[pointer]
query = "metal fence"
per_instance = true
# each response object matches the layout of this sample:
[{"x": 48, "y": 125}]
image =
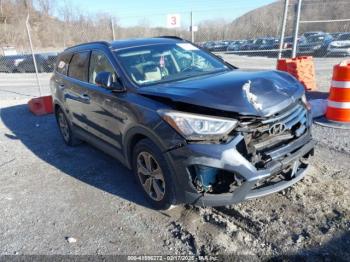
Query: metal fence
[{"x": 255, "y": 34}]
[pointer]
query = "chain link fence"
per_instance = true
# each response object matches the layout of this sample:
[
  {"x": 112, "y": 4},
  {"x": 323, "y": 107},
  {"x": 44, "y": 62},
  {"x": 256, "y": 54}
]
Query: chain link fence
[
  {"x": 325, "y": 35},
  {"x": 323, "y": 32}
]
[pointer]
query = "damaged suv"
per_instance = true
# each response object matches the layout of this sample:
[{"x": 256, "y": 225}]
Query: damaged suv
[{"x": 193, "y": 128}]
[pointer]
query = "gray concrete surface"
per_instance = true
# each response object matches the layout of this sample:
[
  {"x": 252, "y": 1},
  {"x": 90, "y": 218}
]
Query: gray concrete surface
[
  {"x": 49, "y": 192},
  {"x": 23, "y": 85}
]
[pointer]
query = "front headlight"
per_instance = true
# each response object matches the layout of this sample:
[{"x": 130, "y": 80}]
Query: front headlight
[
  {"x": 317, "y": 47},
  {"x": 198, "y": 127}
]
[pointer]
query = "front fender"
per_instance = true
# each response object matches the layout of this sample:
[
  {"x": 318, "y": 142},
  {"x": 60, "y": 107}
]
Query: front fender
[{"x": 162, "y": 135}]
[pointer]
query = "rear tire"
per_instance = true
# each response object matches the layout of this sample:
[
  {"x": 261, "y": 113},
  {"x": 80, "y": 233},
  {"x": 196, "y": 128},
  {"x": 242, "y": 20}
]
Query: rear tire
[
  {"x": 153, "y": 174},
  {"x": 65, "y": 128}
]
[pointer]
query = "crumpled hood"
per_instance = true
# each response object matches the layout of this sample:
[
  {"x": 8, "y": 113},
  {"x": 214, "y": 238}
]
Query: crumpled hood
[{"x": 258, "y": 93}]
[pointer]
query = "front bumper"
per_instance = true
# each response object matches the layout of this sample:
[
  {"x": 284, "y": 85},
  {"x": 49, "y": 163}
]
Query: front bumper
[{"x": 227, "y": 157}]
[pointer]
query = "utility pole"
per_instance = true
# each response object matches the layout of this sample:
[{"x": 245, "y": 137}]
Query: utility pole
[
  {"x": 296, "y": 29},
  {"x": 112, "y": 26},
  {"x": 283, "y": 30},
  {"x": 27, "y": 6},
  {"x": 33, "y": 55},
  {"x": 192, "y": 32}
]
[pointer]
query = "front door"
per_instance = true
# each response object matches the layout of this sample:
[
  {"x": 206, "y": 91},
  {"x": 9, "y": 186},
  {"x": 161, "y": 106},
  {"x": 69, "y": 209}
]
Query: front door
[{"x": 104, "y": 104}]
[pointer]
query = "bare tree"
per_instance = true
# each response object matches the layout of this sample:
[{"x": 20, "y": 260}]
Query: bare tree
[
  {"x": 73, "y": 25},
  {"x": 46, "y": 7}
]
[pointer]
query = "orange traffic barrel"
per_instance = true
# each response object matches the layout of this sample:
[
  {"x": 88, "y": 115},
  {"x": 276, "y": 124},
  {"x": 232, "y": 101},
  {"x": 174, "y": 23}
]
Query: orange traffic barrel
[
  {"x": 302, "y": 68},
  {"x": 338, "y": 104},
  {"x": 41, "y": 105}
]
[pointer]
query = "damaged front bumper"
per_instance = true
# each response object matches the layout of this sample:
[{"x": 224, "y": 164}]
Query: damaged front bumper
[{"x": 254, "y": 182}]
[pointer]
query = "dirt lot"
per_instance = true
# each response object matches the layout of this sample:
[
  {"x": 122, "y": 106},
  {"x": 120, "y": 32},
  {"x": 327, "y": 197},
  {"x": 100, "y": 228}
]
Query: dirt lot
[{"x": 49, "y": 192}]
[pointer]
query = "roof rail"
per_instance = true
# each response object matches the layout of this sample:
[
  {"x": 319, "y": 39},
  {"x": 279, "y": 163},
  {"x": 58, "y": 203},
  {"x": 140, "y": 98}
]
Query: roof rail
[
  {"x": 89, "y": 43},
  {"x": 169, "y": 36}
]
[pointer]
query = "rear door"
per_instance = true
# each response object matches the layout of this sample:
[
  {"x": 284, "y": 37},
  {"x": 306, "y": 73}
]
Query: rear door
[
  {"x": 78, "y": 95},
  {"x": 57, "y": 81}
]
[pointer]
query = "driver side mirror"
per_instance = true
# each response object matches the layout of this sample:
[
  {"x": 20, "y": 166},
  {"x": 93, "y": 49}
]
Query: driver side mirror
[{"x": 105, "y": 79}]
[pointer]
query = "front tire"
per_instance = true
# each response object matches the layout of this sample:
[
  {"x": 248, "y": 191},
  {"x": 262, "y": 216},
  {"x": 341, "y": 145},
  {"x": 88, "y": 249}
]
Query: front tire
[{"x": 153, "y": 174}]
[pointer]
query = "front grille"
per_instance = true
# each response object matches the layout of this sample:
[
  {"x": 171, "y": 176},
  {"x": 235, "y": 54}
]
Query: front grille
[
  {"x": 291, "y": 117},
  {"x": 269, "y": 134}
]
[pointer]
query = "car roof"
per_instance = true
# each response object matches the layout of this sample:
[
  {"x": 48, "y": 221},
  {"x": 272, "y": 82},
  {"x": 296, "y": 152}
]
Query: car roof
[{"x": 127, "y": 43}]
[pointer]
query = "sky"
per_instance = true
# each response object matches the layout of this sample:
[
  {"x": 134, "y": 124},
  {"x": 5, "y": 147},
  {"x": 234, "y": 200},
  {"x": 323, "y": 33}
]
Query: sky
[{"x": 154, "y": 12}]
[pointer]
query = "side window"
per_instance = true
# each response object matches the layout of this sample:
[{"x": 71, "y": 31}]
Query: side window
[
  {"x": 78, "y": 67},
  {"x": 62, "y": 63},
  {"x": 100, "y": 63}
]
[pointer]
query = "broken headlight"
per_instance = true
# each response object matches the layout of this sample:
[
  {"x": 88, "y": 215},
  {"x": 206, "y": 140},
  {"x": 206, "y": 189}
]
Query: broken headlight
[
  {"x": 305, "y": 102},
  {"x": 198, "y": 127}
]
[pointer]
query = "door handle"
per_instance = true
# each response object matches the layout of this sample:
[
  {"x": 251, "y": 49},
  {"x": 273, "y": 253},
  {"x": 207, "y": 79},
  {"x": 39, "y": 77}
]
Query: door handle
[{"x": 85, "y": 97}]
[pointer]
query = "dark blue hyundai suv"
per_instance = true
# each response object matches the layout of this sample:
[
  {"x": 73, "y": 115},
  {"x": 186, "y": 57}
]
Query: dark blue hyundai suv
[{"x": 193, "y": 128}]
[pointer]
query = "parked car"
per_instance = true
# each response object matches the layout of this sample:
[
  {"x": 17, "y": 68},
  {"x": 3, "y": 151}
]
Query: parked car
[
  {"x": 336, "y": 35},
  {"x": 315, "y": 45},
  {"x": 236, "y": 45},
  {"x": 218, "y": 46},
  {"x": 193, "y": 128},
  {"x": 256, "y": 44},
  {"x": 269, "y": 43},
  {"x": 208, "y": 45},
  {"x": 248, "y": 45},
  {"x": 288, "y": 42},
  {"x": 287, "y": 46},
  {"x": 9, "y": 64},
  {"x": 45, "y": 63},
  {"x": 269, "y": 47},
  {"x": 340, "y": 47},
  {"x": 308, "y": 34}
]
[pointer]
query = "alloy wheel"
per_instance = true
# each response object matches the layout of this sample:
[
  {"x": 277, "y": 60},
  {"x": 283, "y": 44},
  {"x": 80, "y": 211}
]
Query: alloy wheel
[{"x": 151, "y": 176}]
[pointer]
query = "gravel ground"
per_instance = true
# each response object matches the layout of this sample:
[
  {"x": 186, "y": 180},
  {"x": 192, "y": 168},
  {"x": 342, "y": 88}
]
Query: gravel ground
[{"x": 51, "y": 194}]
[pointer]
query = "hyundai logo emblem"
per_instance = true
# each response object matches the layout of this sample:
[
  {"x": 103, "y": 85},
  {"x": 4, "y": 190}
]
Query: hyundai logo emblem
[{"x": 277, "y": 129}]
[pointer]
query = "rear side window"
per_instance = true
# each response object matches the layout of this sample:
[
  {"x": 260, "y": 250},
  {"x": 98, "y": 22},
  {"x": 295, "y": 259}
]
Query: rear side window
[
  {"x": 78, "y": 67},
  {"x": 62, "y": 63}
]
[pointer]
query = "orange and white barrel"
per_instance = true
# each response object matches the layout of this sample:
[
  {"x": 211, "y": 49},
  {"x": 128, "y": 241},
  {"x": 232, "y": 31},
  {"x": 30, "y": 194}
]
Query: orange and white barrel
[{"x": 338, "y": 108}]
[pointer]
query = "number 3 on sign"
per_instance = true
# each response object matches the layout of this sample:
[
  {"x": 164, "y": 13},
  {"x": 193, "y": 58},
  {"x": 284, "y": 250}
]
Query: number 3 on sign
[{"x": 173, "y": 21}]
